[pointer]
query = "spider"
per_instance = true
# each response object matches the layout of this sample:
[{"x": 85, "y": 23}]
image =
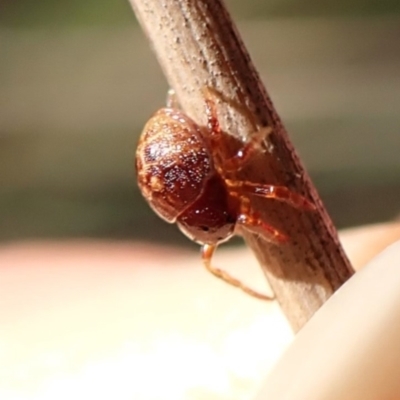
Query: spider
[{"x": 186, "y": 172}]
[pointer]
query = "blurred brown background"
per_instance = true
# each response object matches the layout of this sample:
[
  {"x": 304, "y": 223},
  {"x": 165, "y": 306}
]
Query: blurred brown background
[{"x": 78, "y": 81}]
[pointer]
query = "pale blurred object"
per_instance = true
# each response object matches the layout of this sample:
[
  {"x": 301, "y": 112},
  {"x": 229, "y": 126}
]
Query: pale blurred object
[
  {"x": 105, "y": 320},
  {"x": 350, "y": 349},
  {"x": 370, "y": 241}
]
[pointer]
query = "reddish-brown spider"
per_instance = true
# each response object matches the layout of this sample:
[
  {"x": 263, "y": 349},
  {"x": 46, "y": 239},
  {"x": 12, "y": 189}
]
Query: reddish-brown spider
[{"x": 187, "y": 174}]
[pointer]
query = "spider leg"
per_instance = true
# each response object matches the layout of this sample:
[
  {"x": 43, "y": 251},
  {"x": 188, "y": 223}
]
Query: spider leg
[
  {"x": 214, "y": 131},
  {"x": 253, "y": 221},
  {"x": 281, "y": 193},
  {"x": 212, "y": 119},
  {"x": 207, "y": 252},
  {"x": 244, "y": 155},
  {"x": 172, "y": 100}
]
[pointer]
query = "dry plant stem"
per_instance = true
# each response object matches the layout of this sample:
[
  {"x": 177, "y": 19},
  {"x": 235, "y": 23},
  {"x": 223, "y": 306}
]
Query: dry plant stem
[{"x": 198, "y": 45}]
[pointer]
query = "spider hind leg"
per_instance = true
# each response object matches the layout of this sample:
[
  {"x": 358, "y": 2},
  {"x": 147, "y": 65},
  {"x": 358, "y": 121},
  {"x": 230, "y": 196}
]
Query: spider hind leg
[{"x": 207, "y": 252}]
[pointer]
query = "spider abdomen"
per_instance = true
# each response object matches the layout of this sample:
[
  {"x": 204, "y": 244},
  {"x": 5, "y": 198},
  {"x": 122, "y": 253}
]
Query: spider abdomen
[{"x": 172, "y": 162}]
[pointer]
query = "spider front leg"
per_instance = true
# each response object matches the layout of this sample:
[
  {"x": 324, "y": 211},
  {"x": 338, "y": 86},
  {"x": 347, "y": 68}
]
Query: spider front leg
[
  {"x": 245, "y": 153},
  {"x": 213, "y": 125},
  {"x": 207, "y": 252}
]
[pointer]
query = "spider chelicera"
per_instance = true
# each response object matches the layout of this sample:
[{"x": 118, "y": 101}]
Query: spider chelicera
[{"x": 187, "y": 173}]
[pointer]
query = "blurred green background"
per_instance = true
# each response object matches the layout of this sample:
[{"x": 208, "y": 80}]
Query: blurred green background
[{"x": 78, "y": 81}]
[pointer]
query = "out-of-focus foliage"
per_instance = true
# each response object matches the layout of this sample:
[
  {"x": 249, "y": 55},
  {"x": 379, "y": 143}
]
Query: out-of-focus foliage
[
  {"x": 78, "y": 80},
  {"x": 53, "y": 13}
]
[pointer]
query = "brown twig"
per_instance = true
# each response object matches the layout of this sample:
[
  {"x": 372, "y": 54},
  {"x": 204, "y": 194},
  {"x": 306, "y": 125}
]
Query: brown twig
[{"x": 198, "y": 46}]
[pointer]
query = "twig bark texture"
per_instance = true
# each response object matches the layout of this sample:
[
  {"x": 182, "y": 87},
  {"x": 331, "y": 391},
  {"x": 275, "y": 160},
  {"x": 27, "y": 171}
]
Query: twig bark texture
[{"x": 198, "y": 45}]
